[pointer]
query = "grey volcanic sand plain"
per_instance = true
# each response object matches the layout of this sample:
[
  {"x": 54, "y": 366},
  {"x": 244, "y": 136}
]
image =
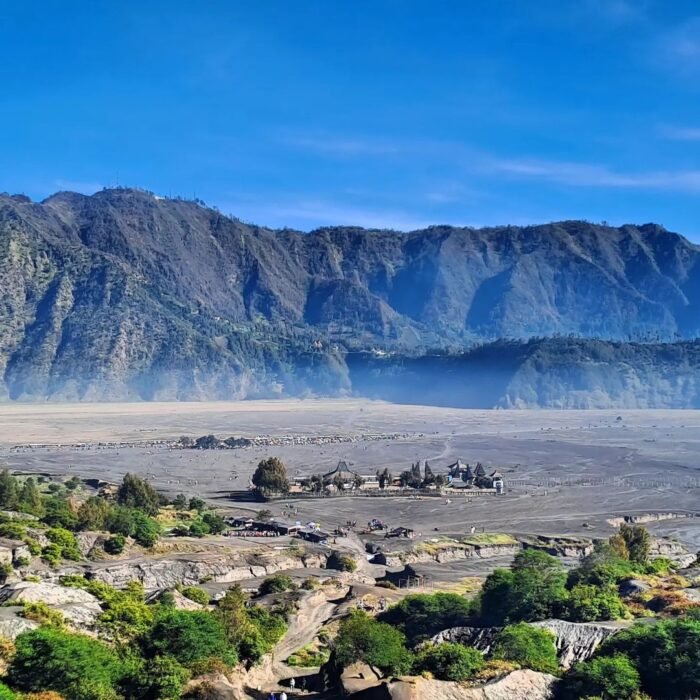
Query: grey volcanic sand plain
[{"x": 648, "y": 460}]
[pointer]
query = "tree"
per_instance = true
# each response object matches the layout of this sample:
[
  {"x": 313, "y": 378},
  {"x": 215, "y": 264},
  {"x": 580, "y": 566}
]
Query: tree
[
  {"x": 58, "y": 513},
  {"x": 665, "y": 655},
  {"x": 611, "y": 678},
  {"x": 8, "y": 490},
  {"x": 180, "y": 501},
  {"x": 377, "y": 644},
  {"x": 196, "y": 503},
  {"x": 449, "y": 662},
  {"x": 588, "y": 603},
  {"x": 75, "y": 665},
  {"x": 146, "y": 530},
  {"x": 198, "y": 528},
  {"x": 530, "y": 647},
  {"x": 271, "y": 476},
  {"x": 137, "y": 493},
  {"x": 164, "y": 678},
  {"x": 207, "y": 442},
  {"x": 533, "y": 589},
  {"x": 30, "y": 499},
  {"x": 429, "y": 477},
  {"x": 384, "y": 478},
  {"x": 422, "y": 615},
  {"x": 65, "y": 541},
  {"x": 190, "y": 637},
  {"x": 638, "y": 542},
  {"x": 185, "y": 441},
  {"x": 92, "y": 514},
  {"x": 214, "y": 522}
]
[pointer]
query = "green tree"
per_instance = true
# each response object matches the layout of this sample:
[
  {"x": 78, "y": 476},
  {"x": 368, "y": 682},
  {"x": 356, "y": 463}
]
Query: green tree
[
  {"x": 530, "y": 647},
  {"x": 6, "y": 693},
  {"x": 75, "y": 665},
  {"x": 214, "y": 522},
  {"x": 587, "y": 603},
  {"x": 180, "y": 501},
  {"x": 271, "y": 476},
  {"x": 146, "y": 530},
  {"x": 30, "y": 500},
  {"x": 198, "y": 528},
  {"x": 377, "y": 644},
  {"x": 165, "y": 678},
  {"x": 610, "y": 678},
  {"x": 190, "y": 637},
  {"x": 534, "y": 589},
  {"x": 638, "y": 542},
  {"x": 197, "y": 504},
  {"x": 422, "y": 615},
  {"x": 58, "y": 513},
  {"x": 66, "y": 542},
  {"x": 8, "y": 490},
  {"x": 449, "y": 662},
  {"x": 135, "y": 492},
  {"x": 93, "y": 513},
  {"x": 665, "y": 655}
]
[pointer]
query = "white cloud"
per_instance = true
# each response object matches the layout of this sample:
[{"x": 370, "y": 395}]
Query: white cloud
[
  {"x": 593, "y": 175},
  {"x": 681, "y": 133}
]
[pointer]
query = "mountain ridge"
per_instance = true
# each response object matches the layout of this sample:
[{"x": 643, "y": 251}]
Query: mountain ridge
[{"x": 126, "y": 290}]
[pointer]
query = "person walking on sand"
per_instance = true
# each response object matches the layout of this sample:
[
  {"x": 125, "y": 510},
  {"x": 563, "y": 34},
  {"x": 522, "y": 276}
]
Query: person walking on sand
[{"x": 292, "y": 683}]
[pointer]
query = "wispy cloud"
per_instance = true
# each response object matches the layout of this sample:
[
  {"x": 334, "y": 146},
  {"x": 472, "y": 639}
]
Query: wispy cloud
[
  {"x": 679, "y": 49},
  {"x": 341, "y": 146},
  {"x": 680, "y": 133},
  {"x": 593, "y": 175},
  {"x": 308, "y": 213}
]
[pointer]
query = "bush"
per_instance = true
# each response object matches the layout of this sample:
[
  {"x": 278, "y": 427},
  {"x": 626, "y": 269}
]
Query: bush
[
  {"x": 214, "y": 522},
  {"x": 533, "y": 589},
  {"x": 66, "y": 542},
  {"x": 198, "y": 529},
  {"x": 77, "y": 666},
  {"x": 528, "y": 646},
  {"x": 40, "y": 612},
  {"x": 13, "y": 531},
  {"x": 115, "y": 544},
  {"x": 612, "y": 678},
  {"x": 6, "y": 693},
  {"x": 309, "y": 584},
  {"x": 279, "y": 583},
  {"x": 341, "y": 562},
  {"x": 422, "y": 615},
  {"x": 164, "y": 678},
  {"x": 587, "y": 603},
  {"x": 51, "y": 554},
  {"x": 198, "y": 595},
  {"x": 190, "y": 637},
  {"x": 377, "y": 644},
  {"x": 449, "y": 662},
  {"x": 665, "y": 655},
  {"x": 146, "y": 530}
]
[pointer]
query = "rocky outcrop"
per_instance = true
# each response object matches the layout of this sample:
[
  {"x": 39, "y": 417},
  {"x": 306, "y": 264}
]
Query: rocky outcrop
[
  {"x": 570, "y": 547},
  {"x": 169, "y": 571},
  {"x": 442, "y": 554},
  {"x": 13, "y": 551},
  {"x": 518, "y": 685},
  {"x": 576, "y": 641},
  {"x": 649, "y": 518},
  {"x": 481, "y": 638},
  {"x": 673, "y": 550},
  {"x": 12, "y": 625},
  {"x": 49, "y": 593}
]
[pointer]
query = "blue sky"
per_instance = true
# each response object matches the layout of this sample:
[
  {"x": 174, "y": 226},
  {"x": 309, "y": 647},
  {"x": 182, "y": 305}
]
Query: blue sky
[{"x": 381, "y": 113}]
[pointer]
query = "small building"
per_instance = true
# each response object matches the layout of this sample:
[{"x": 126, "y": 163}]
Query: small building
[
  {"x": 497, "y": 482},
  {"x": 244, "y": 521}
]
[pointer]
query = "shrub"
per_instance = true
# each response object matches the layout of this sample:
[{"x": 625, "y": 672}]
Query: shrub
[
  {"x": 279, "y": 583},
  {"x": 197, "y": 504},
  {"x": 613, "y": 678},
  {"x": 377, "y": 644},
  {"x": 198, "y": 595},
  {"x": 341, "y": 562},
  {"x": 51, "y": 554},
  {"x": 214, "y": 522},
  {"x": 115, "y": 544},
  {"x": 163, "y": 678},
  {"x": 309, "y": 584},
  {"x": 40, "y": 612},
  {"x": 198, "y": 529},
  {"x": 189, "y": 637},
  {"x": 146, "y": 530},
  {"x": 528, "y": 646},
  {"x": 66, "y": 541},
  {"x": 13, "y": 531},
  {"x": 6, "y": 693},
  {"x": 77, "y": 666},
  {"x": 587, "y": 603},
  {"x": 449, "y": 662}
]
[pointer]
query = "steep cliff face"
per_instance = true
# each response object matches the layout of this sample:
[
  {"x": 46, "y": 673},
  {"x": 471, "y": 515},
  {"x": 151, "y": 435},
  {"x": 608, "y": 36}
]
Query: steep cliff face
[{"x": 126, "y": 295}]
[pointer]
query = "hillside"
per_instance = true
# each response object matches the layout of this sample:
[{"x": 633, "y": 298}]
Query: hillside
[{"x": 126, "y": 295}]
